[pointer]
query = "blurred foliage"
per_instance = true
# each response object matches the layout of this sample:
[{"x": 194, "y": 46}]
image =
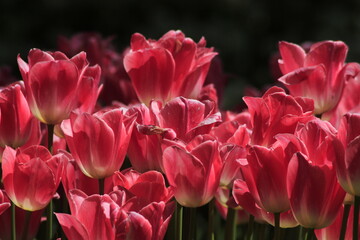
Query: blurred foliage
[{"x": 244, "y": 32}]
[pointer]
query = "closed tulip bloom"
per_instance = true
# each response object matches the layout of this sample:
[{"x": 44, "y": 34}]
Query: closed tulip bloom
[
  {"x": 92, "y": 217},
  {"x": 31, "y": 176},
  {"x": 194, "y": 172},
  {"x": 314, "y": 192},
  {"x": 51, "y": 83},
  {"x": 98, "y": 142}
]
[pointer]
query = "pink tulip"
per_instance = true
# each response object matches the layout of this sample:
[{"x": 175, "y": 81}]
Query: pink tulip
[
  {"x": 98, "y": 142},
  {"x": 319, "y": 74},
  {"x": 17, "y": 125},
  {"x": 52, "y": 83},
  {"x": 194, "y": 171},
  {"x": 31, "y": 176},
  {"x": 142, "y": 189},
  {"x": 314, "y": 193},
  {"x": 180, "y": 118},
  {"x": 276, "y": 112},
  {"x": 170, "y": 67},
  {"x": 93, "y": 217}
]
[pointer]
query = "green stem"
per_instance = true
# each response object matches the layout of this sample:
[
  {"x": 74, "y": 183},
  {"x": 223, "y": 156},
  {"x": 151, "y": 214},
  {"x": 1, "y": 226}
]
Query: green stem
[
  {"x": 356, "y": 218},
  {"x": 344, "y": 221},
  {"x": 277, "y": 226},
  {"x": 230, "y": 228},
  {"x": 178, "y": 221},
  {"x": 50, "y": 128},
  {"x": 250, "y": 229},
  {"x": 13, "y": 222},
  {"x": 309, "y": 234},
  {"x": 26, "y": 225},
  {"x": 192, "y": 224},
  {"x": 301, "y": 233},
  {"x": 49, "y": 226},
  {"x": 49, "y": 220},
  {"x": 101, "y": 186},
  {"x": 211, "y": 217}
]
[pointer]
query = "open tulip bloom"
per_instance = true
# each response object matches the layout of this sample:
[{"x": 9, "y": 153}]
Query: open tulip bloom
[{"x": 140, "y": 168}]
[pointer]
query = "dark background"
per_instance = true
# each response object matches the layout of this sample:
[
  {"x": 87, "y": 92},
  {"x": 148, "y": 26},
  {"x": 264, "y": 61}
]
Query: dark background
[{"x": 244, "y": 32}]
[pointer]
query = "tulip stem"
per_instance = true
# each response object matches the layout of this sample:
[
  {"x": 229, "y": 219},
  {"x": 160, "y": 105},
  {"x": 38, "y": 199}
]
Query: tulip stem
[
  {"x": 49, "y": 229},
  {"x": 344, "y": 221},
  {"x": 250, "y": 228},
  {"x": 13, "y": 222},
  {"x": 309, "y": 234},
  {"x": 211, "y": 217},
  {"x": 277, "y": 226},
  {"x": 230, "y": 228},
  {"x": 178, "y": 221},
  {"x": 101, "y": 186},
  {"x": 301, "y": 233},
  {"x": 26, "y": 225},
  {"x": 192, "y": 224},
  {"x": 356, "y": 218},
  {"x": 50, "y": 128}
]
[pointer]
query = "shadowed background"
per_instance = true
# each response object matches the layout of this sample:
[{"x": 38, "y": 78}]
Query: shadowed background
[{"x": 244, "y": 32}]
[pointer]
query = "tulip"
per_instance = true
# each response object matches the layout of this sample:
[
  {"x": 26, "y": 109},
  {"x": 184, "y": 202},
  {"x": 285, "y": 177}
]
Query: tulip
[
  {"x": 98, "y": 142},
  {"x": 319, "y": 74},
  {"x": 180, "y": 118},
  {"x": 17, "y": 125},
  {"x": 31, "y": 176},
  {"x": 150, "y": 222},
  {"x": 135, "y": 184},
  {"x": 276, "y": 112},
  {"x": 314, "y": 193},
  {"x": 170, "y": 67},
  {"x": 194, "y": 172},
  {"x": 93, "y": 217},
  {"x": 52, "y": 83}
]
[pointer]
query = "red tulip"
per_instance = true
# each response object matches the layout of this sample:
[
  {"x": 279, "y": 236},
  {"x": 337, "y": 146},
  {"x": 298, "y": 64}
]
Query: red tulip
[
  {"x": 194, "y": 171},
  {"x": 348, "y": 168},
  {"x": 92, "y": 218},
  {"x": 31, "y": 176},
  {"x": 17, "y": 125},
  {"x": 319, "y": 74},
  {"x": 276, "y": 112},
  {"x": 314, "y": 193},
  {"x": 180, "y": 118},
  {"x": 98, "y": 142},
  {"x": 52, "y": 83},
  {"x": 142, "y": 189},
  {"x": 170, "y": 67}
]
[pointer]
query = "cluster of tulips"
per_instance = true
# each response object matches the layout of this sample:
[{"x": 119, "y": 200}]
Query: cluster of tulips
[{"x": 127, "y": 143}]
